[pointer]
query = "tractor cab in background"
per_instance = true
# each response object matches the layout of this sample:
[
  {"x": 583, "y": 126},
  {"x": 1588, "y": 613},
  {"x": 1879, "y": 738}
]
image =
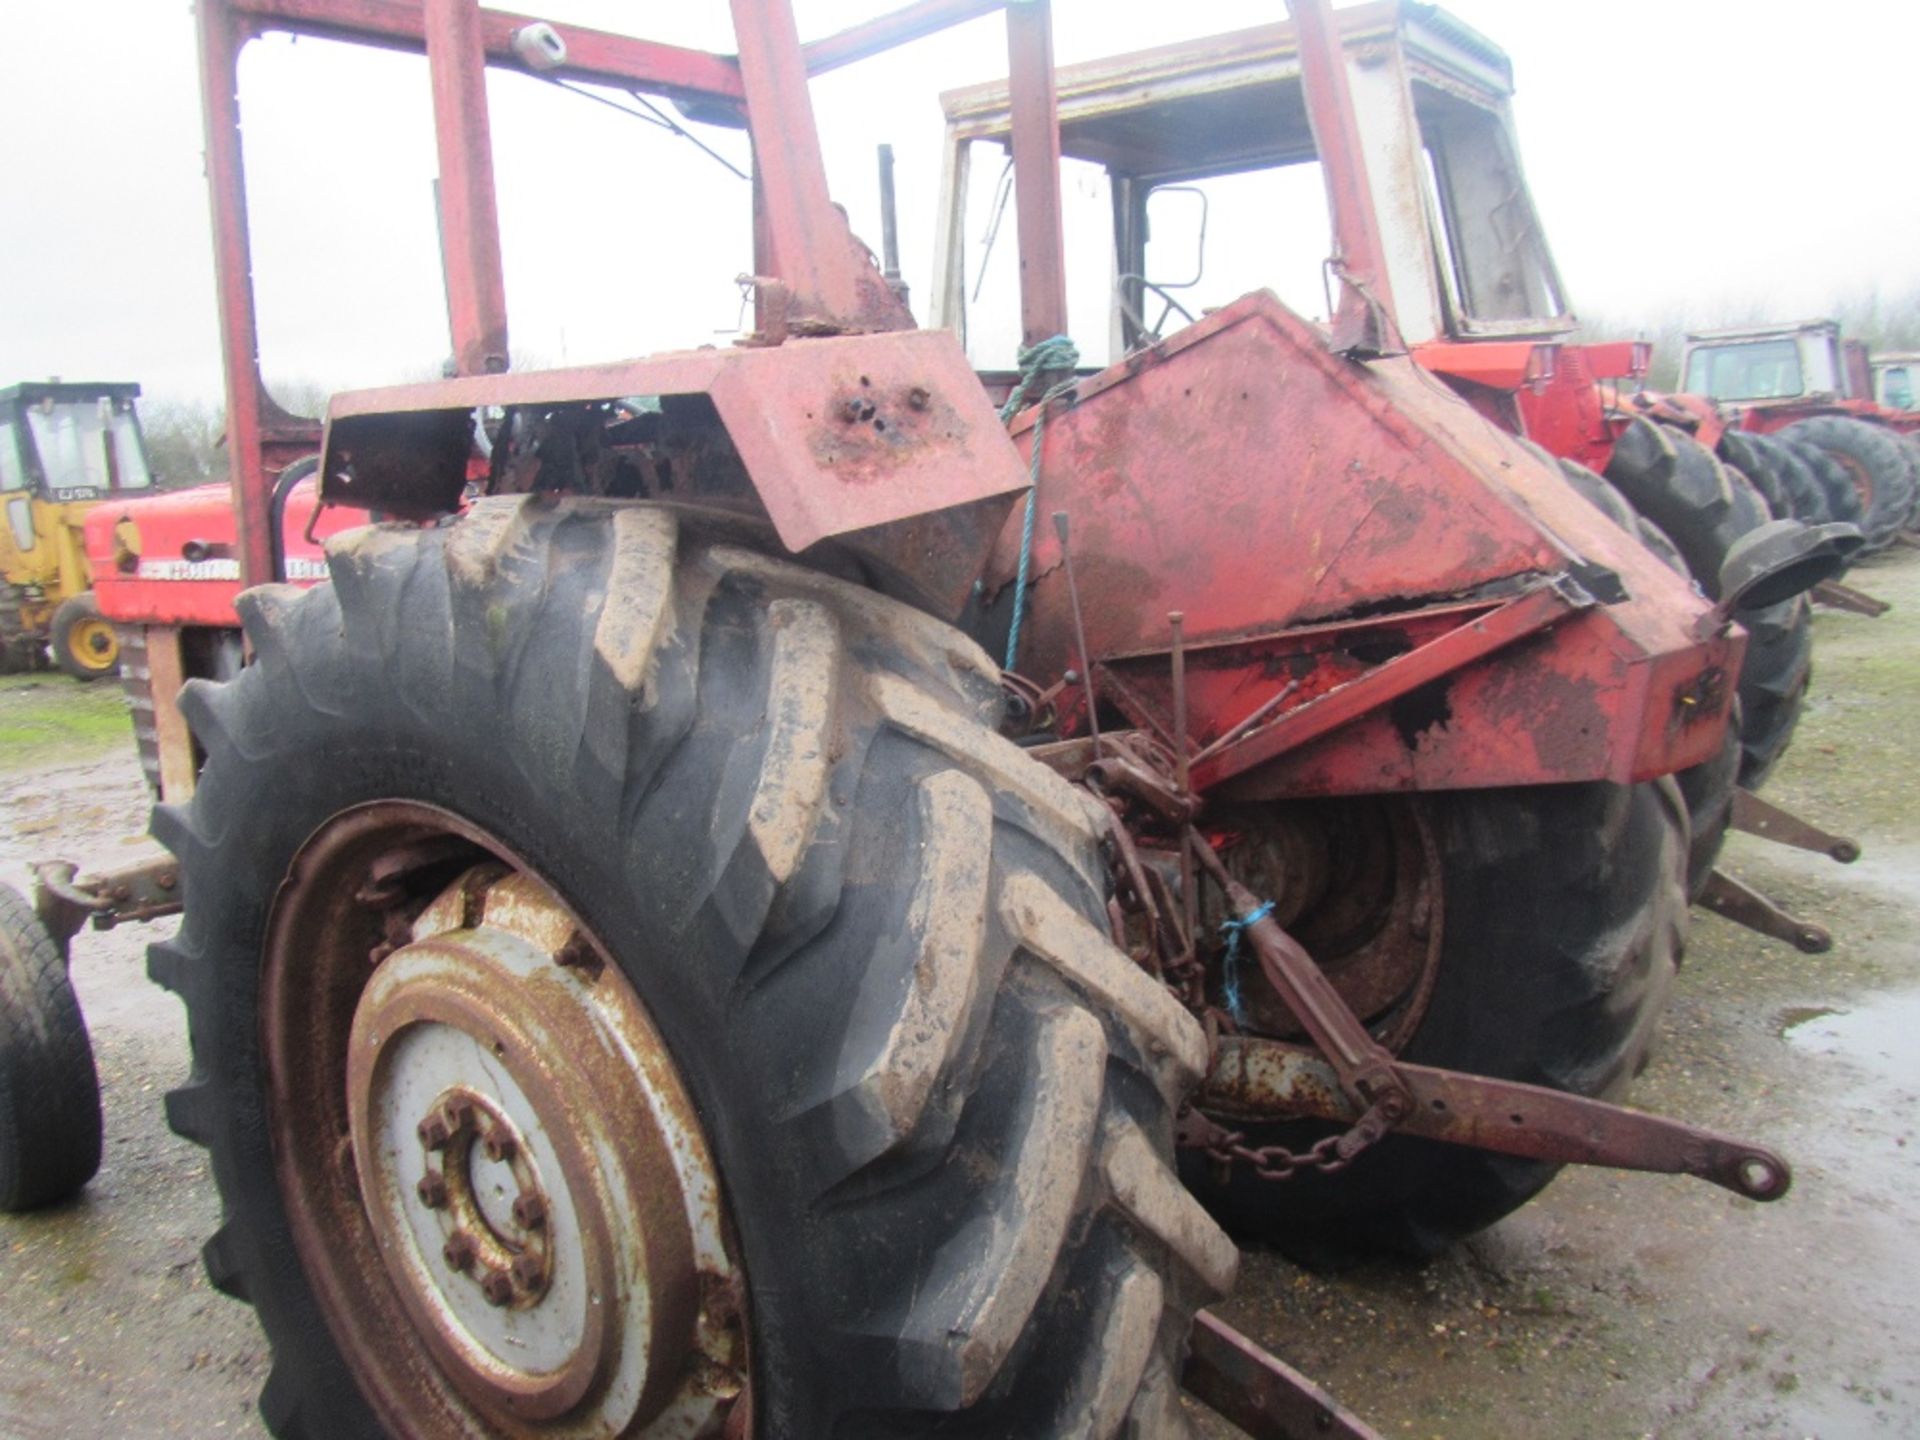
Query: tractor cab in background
[{"x": 1195, "y": 165}]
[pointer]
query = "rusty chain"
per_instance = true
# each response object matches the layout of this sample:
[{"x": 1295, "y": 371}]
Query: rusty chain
[{"x": 1276, "y": 1163}]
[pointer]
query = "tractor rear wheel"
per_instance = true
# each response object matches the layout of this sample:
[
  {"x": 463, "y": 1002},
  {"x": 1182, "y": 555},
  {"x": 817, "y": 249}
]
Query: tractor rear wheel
[
  {"x": 1876, "y": 463},
  {"x": 1709, "y": 786},
  {"x": 1558, "y": 914},
  {"x": 633, "y": 904},
  {"x": 49, "y": 1090},
  {"x": 1704, "y": 507},
  {"x": 84, "y": 642}
]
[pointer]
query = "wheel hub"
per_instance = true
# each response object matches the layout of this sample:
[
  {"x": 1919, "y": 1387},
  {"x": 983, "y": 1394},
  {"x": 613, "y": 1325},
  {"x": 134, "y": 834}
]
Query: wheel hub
[{"x": 522, "y": 1198}]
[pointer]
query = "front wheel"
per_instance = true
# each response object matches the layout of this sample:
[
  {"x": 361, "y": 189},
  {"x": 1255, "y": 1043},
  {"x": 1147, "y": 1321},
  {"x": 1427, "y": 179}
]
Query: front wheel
[
  {"x": 84, "y": 642},
  {"x": 633, "y": 989},
  {"x": 49, "y": 1090}
]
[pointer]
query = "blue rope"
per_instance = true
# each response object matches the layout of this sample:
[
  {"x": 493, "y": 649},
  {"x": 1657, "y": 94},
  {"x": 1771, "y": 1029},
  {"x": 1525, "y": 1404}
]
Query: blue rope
[
  {"x": 1056, "y": 352},
  {"x": 1233, "y": 930}
]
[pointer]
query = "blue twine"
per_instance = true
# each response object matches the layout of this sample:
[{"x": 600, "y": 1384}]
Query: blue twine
[
  {"x": 1233, "y": 930},
  {"x": 1056, "y": 352}
]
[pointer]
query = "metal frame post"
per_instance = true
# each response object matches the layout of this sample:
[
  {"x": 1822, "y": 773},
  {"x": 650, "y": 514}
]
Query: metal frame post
[
  {"x": 1035, "y": 134},
  {"x": 1363, "y": 318},
  {"x": 220, "y": 37},
  {"x": 469, "y": 214}
]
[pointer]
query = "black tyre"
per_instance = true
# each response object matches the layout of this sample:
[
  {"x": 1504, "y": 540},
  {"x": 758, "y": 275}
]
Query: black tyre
[
  {"x": 84, "y": 643},
  {"x": 1707, "y": 787},
  {"x": 871, "y": 935},
  {"x": 1704, "y": 507},
  {"x": 1877, "y": 465},
  {"x": 1840, "y": 501},
  {"x": 49, "y": 1090},
  {"x": 19, "y": 651},
  {"x": 1791, "y": 488},
  {"x": 1563, "y": 913}
]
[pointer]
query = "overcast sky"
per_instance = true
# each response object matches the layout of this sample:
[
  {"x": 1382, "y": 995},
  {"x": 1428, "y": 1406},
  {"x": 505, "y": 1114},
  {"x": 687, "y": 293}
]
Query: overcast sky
[{"x": 1712, "y": 155}]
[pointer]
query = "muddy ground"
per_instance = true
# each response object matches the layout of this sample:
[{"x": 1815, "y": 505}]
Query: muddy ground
[{"x": 1615, "y": 1306}]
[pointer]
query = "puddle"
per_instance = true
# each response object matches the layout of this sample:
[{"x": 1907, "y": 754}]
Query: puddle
[{"x": 1877, "y": 1035}]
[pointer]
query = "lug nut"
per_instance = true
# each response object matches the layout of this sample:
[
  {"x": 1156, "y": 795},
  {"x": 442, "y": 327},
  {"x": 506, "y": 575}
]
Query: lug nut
[
  {"x": 459, "y": 1112},
  {"x": 460, "y": 1250},
  {"x": 433, "y": 1189},
  {"x": 528, "y": 1271},
  {"x": 497, "y": 1286},
  {"x": 500, "y": 1145},
  {"x": 435, "y": 1132},
  {"x": 529, "y": 1210}
]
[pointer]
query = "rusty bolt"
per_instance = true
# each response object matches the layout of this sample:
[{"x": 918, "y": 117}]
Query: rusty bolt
[
  {"x": 500, "y": 1144},
  {"x": 458, "y": 1112},
  {"x": 435, "y": 1132},
  {"x": 497, "y": 1286},
  {"x": 433, "y": 1189},
  {"x": 529, "y": 1210},
  {"x": 918, "y": 397},
  {"x": 528, "y": 1271},
  {"x": 460, "y": 1250}
]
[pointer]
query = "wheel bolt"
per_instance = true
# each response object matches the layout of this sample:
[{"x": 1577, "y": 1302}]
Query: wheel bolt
[
  {"x": 435, "y": 1132},
  {"x": 529, "y": 1210},
  {"x": 458, "y": 1112},
  {"x": 500, "y": 1145},
  {"x": 528, "y": 1271},
  {"x": 497, "y": 1286},
  {"x": 433, "y": 1189},
  {"x": 460, "y": 1250}
]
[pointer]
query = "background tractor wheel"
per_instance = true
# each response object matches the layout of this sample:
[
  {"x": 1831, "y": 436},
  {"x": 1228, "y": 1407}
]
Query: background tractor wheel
[
  {"x": 584, "y": 768},
  {"x": 1704, "y": 507},
  {"x": 1841, "y": 501},
  {"x": 49, "y": 1090},
  {"x": 1792, "y": 490},
  {"x": 1560, "y": 912},
  {"x": 20, "y": 652},
  {"x": 84, "y": 643},
  {"x": 1877, "y": 465},
  {"x": 1707, "y": 787}
]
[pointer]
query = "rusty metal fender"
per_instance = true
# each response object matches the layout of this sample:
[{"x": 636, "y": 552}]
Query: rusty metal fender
[{"x": 860, "y": 438}]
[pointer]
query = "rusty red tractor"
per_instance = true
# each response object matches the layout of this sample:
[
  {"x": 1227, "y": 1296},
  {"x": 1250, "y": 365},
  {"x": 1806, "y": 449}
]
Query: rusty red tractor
[
  {"x": 650, "y": 970},
  {"x": 1173, "y": 147}
]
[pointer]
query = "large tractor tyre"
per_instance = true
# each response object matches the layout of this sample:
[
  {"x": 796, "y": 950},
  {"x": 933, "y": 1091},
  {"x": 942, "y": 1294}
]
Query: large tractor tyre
[
  {"x": 1709, "y": 786},
  {"x": 1705, "y": 506},
  {"x": 1876, "y": 464},
  {"x": 49, "y": 1090},
  {"x": 1561, "y": 912},
  {"x": 572, "y": 897},
  {"x": 1791, "y": 488},
  {"x": 1910, "y": 442},
  {"x": 83, "y": 641},
  {"x": 1834, "y": 480}
]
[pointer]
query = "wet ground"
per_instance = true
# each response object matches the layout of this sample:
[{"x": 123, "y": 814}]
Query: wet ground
[{"x": 1614, "y": 1306}]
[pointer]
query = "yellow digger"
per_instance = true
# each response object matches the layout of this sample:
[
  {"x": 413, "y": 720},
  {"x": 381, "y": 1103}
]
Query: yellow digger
[{"x": 64, "y": 447}]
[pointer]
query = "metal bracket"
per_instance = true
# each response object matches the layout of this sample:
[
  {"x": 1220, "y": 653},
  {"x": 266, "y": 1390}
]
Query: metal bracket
[
  {"x": 1258, "y": 1392},
  {"x": 145, "y": 890},
  {"x": 1845, "y": 597},
  {"x": 1770, "y": 822},
  {"x": 1744, "y": 905},
  {"x": 1269, "y": 1079}
]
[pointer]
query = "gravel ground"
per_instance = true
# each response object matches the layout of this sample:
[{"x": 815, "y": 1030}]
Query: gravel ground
[{"x": 1615, "y": 1306}]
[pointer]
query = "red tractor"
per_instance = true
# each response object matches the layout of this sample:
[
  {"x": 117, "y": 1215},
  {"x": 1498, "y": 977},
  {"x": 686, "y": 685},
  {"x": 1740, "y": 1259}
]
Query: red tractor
[
  {"x": 1179, "y": 156},
  {"x": 652, "y": 971}
]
